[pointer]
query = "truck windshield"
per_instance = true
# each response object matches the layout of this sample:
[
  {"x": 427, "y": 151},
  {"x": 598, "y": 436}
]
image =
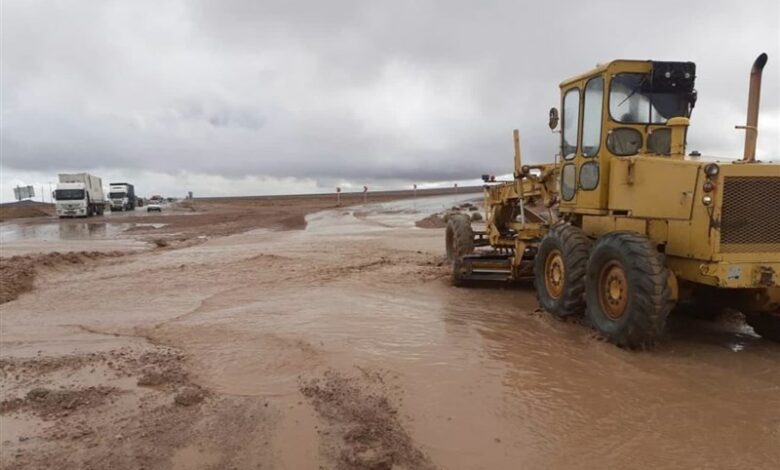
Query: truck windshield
[
  {"x": 117, "y": 195},
  {"x": 69, "y": 194},
  {"x": 632, "y": 100}
]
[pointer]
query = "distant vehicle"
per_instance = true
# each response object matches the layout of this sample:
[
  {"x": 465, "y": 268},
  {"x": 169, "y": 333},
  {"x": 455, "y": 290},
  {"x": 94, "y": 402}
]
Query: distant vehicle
[
  {"x": 154, "y": 205},
  {"x": 79, "y": 195},
  {"x": 140, "y": 202},
  {"x": 122, "y": 196}
]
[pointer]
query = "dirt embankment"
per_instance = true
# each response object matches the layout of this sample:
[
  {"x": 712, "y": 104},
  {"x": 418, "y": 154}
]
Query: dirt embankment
[
  {"x": 24, "y": 210},
  {"x": 17, "y": 273}
]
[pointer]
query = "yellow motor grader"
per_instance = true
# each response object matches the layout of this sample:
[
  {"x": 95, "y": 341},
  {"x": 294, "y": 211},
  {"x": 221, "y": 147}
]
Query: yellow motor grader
[{"x": 624, "y": 225}]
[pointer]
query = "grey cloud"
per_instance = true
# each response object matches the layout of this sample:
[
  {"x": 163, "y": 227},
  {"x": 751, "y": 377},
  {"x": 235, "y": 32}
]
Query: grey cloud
[{"x": 346, "y": 90}]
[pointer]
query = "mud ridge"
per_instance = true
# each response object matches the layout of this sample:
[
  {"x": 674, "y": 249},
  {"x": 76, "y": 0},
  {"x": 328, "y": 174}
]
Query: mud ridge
[
  {"x": 364, "y": 429},
  {"x": 50, "y": 403}
]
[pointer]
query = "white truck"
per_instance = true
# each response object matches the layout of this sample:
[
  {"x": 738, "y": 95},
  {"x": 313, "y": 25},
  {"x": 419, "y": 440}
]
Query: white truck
[
  {"x": 122, "y": 196},
  {"x": 79, "y": 195}
]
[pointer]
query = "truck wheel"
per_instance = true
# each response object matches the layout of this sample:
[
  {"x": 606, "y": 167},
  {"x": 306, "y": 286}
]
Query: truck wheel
[
  {"x": 459, "y": 237},
  {"x": 559, "y": 270},
  {"x": 765, "y": 324},
  {"x": 627, "y": 290}
]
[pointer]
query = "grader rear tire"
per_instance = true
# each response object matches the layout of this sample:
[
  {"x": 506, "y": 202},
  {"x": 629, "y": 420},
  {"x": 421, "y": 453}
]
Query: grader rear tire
[
  {"x": 765, "y": 324},
  {"x": 459, "y": 237},
  {"x": 627, "y": 290},
  {"x": 559, "y": 270}
]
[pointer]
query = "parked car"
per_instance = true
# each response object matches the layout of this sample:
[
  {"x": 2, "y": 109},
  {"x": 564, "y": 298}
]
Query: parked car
[{"x": 154, "y": 206}]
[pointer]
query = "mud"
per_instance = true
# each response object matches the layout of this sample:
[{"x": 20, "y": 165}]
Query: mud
[
  {"x": 17, "y": 273},
  {"x": 362, "y": 429},
  {"x": 343, "y": 345},
  {"x": 432, "y": 221},
  {"x": 49, "y": 403}
]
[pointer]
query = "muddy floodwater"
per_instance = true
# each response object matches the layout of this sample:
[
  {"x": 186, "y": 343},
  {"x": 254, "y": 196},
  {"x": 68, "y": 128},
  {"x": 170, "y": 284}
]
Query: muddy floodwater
[{"x": 344, "y": 345}]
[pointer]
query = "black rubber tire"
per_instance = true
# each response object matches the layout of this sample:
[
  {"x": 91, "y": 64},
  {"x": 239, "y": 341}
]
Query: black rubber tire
[
  {"x": 765, "y": 324},
  {"x": 457, "y": 267},
  {"x": 648, "y": 292},
  {"x": 574, "y": 248},
  {"x": 459, "y": 237}
]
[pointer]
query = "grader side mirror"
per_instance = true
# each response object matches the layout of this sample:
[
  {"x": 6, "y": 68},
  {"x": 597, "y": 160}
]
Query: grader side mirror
[{"x": 553, "y": 118}]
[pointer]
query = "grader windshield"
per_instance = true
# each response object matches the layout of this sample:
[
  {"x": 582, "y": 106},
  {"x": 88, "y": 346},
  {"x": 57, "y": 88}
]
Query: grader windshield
[
  {"x": 655, "y": 97},
  {"x": 632, "y": 101}
]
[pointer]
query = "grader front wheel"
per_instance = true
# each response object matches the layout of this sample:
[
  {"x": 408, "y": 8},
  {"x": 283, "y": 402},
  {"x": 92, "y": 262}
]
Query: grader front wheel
[
  {"x": 459, "y": 238},
  {"x": 559, "y": 270},
  {"x": 627, "y": 290}
]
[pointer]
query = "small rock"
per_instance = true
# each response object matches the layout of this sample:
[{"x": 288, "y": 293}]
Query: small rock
[
  {"x": 38, "y": 393},
  {"x": 189, "y": 396}
]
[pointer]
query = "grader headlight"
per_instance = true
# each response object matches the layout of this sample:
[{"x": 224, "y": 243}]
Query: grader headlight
[{"x": 711, "y": 170}]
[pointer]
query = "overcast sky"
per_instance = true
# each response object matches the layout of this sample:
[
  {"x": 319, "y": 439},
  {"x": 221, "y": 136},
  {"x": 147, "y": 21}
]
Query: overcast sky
[{"x": 255, "y": 97}]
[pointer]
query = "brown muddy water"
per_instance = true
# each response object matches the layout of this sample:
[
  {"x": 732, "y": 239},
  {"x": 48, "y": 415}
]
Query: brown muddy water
[{"x": 344, "y": 346}]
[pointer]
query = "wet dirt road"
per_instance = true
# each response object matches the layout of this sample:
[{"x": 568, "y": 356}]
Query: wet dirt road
[{"x": 344, "y": 346}]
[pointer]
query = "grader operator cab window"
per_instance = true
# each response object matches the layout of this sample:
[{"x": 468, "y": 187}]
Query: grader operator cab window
[
  {"x": 568, "y": 181},
  {"x": 571, "y": 118},
  {"x": 591, "y": 118},
  {"x": 659, "y": 141},
  {"x": 624, "y": 141}
]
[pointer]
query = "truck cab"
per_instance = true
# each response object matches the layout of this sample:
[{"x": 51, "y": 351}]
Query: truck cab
[
  {"x": 71, "y": 200},
  {"x": 121, "y": 197}
]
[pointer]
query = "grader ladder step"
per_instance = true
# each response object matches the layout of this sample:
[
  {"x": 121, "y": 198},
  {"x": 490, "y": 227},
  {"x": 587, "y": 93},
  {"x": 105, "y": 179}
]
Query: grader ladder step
[{"x": 485, "y": 268}]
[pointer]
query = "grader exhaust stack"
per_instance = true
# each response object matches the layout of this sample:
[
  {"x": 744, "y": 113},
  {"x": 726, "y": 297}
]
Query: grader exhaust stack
[{"x": 754, "y": 97}]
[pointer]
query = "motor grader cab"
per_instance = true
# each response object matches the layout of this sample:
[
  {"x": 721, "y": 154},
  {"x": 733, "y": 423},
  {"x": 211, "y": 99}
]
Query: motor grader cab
[{"x": 625, "y": 225}]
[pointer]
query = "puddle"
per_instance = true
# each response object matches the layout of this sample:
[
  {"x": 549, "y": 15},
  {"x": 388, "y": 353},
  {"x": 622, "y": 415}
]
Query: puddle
[
  {"x": 60, "y": 231},
  {"x": 383, "y": 216}
]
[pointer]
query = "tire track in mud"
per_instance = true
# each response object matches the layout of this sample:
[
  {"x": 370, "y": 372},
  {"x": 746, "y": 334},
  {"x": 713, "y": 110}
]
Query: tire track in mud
[{"x": 362, "y": 426}]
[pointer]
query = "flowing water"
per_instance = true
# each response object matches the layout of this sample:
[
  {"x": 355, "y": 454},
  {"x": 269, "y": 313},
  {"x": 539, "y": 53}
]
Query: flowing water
[{"x": 482, "y": 379}]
